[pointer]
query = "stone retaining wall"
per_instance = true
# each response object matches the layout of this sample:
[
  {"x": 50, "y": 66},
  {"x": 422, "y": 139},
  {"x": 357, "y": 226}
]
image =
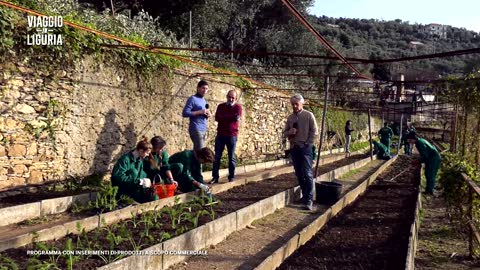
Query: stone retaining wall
[{"x": 77, "y": 121}]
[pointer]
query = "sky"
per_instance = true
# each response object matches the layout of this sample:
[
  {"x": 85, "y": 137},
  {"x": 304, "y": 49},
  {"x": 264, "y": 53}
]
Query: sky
[{"x": 458, "y": 13}]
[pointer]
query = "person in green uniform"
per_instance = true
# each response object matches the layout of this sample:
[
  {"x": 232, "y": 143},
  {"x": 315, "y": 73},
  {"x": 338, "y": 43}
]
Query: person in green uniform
[
  {"x": 386, "y": 134},
  {"x": 381, "y": 150},
  {"x": 406, "y": 145},
  {"x": 428, "y": 155},
  {"x": 190, "y": 178},
  {"x": 130, "y": 178},
  {"x": 157, "y": 165}
]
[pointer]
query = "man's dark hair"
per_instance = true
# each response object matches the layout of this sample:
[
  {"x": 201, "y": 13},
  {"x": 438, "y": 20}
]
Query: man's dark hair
[
  {"x": 205, "y": 154},
  {"x": 201, "y": 83},
  {"x": 158, "y": 141}
]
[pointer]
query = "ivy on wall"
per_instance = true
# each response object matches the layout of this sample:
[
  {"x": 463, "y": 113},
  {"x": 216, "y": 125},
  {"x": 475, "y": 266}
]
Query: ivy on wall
[{"x": 76, "y": 43}]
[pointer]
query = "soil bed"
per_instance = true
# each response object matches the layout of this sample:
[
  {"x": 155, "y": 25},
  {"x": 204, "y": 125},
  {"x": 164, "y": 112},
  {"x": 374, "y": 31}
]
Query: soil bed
[
  {"x": 247, "y": 248},
  {"x": 36, "y": 194},
  {"x": 372, "y": 233},
  {"x": 242, "y": 196},
  {"x": 129, "y": 231}
]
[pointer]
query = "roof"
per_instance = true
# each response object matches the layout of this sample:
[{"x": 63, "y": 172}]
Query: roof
[{"x": 416, "y": 43}]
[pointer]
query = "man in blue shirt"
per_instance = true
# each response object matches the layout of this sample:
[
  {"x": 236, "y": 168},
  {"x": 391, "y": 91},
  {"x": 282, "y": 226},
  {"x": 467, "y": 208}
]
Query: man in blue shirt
[{"x": 196, "y": 109}]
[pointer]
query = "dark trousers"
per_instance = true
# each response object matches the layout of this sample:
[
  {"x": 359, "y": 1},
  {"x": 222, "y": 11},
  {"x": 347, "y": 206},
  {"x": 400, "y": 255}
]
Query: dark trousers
[
  {"x": 302, "y": 158},
  {"x": 220, "y": 142},
  {"x": 431, "y": 170}
]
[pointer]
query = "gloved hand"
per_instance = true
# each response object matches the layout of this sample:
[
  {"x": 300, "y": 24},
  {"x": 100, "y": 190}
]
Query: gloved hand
[
  {"x": 175, "y": 183},
  {"x": 145, "y": 182},
  {"x": 204, "y": 187}
]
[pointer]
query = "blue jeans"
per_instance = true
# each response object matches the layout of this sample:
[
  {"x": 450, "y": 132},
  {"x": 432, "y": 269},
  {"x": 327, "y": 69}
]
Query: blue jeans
[
  {"x": 348, "y": 139},
  {"x": 220, "y": 143},
  {"x": 198, "y": 139},
  {"x": 302, "y": 158}
]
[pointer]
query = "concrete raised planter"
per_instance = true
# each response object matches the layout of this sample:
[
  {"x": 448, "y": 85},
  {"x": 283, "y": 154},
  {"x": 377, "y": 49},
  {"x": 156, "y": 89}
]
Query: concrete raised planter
[
  {"x": 216, "y": 231},
  {"x": 19, "y": 213},
  {"x": 209, "y": 234},
  {"x": 413, "y": 238},
  {"x": 94, "y": 222},
  {"x": 268, "y": 164},
  {"x": 282, "y": 253}
]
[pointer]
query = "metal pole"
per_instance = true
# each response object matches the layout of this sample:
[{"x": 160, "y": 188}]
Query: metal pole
[
  {"x": 470, "y": 220},
  {"x": 326, "y": 86},
  {"x": 190, "y": 32},
  {"x": 477, "y": 145},
  {"x": 113, "y": 8},
  {"x": 400, "y": 135},
  {"x": 231, "y": 46},
  {"x": 370, "y": 133}
]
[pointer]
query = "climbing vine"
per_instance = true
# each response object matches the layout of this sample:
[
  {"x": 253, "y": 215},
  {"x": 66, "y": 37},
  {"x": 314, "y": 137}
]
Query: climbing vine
[
  {"x": 76, "y": 44},
  {"x": 465, "y": 95},
  {"x": 53, "y": 115}
]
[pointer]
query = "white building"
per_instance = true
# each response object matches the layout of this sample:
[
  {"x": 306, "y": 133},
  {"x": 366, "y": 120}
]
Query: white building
[{"x": 435, "y": 30}]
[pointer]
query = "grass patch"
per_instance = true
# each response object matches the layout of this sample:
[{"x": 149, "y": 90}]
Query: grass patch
[{"x": 350, "y": 174}]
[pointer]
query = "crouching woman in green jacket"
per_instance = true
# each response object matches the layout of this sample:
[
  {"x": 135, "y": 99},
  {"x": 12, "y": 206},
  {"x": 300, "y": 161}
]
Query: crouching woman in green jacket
[
  {"x": 381, "y": 150},
  {"x": 129, "y": 177},
  {"x": 191, "y": 176},
  {"x": 157, "y": 165}
]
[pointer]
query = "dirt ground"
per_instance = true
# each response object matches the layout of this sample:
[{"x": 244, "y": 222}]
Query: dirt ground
[
  {"x": 231, "y": 200},
  {"x": 238, "y": 197},
  {"x": 372, "y": 233},
  {"x": 247, "y": 248},
  {"x": 39, "y": 193},
  {"x": 440, "y": 246}
]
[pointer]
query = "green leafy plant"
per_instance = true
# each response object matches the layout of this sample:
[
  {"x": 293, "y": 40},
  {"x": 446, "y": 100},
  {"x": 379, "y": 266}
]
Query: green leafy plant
[
  {"x": 7, "y": 26},
  {"x": 106, "y": 199},
  {"x": 148, "y": 223},
  {"x": 70, "y": 257},
  {"x": 455, "y": 190},
  {"x": 113, "y": 241},
  {"x": 54, "y": 254},
  {"x": 7, "y": 263}
]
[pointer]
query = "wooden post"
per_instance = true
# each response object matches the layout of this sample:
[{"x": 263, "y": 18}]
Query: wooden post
[
  {"x": 453, "y": 132},
  {"x": 477, "y": 144},
  {"x": 400, "y": 135},
  {"x": 326, "y": 86},
  {"x": 464, "y": 135},
  {"x": 370, "y": 133},
  {"x": 470, "y": 221}
]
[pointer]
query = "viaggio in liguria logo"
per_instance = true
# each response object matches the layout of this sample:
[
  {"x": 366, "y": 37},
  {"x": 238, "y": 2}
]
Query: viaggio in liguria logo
[{"x": 44, "y": 26}]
